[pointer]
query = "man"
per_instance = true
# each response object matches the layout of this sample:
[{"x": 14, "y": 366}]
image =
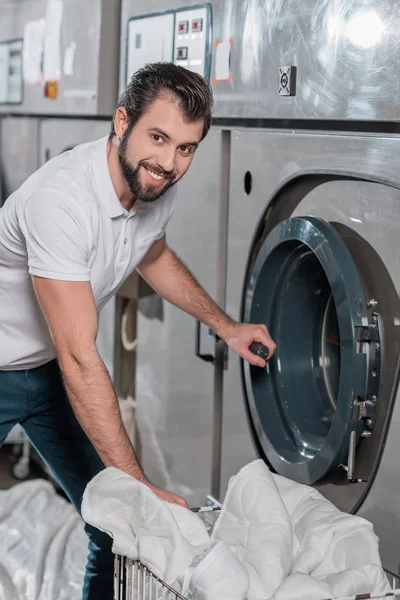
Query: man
[{"x": 69, "y": 237}]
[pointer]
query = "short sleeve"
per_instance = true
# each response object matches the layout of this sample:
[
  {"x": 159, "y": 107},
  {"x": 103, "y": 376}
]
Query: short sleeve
[{"x": 57, "y": 234}]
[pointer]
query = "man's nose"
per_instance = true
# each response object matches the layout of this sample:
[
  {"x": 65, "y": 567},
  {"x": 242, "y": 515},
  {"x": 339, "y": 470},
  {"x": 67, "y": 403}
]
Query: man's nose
[{"x": 166, "y": 160}]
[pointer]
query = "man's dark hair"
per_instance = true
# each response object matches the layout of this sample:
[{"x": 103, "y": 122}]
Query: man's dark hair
[{"x": 192, "y": 92}]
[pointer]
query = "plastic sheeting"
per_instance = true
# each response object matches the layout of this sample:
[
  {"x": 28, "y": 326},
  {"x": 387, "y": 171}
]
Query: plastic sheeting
[{"x": 43, "y": 546}]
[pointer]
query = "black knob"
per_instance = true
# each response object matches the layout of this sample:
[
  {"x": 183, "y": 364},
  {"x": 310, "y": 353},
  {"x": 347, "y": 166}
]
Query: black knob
[{"x": 259, "y": 349}]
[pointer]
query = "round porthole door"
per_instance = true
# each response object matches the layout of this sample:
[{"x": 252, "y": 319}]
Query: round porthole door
[{"x": 318, "y": 394}]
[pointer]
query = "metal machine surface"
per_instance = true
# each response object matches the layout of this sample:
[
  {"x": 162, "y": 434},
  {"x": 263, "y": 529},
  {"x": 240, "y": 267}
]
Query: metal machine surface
[
  {"x": 174, "y": 388},
  {"x": 18, "y": 152},
  {"x": 59, "y": 135},
  {"x": 342, "y": 57},
  {"x": 54, "y": 62}
]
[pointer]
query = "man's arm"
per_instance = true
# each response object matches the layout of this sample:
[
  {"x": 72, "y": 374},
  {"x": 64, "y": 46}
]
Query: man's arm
[
  {"x": 171, "y": 279},
  {"x": 70, "y": 312}
]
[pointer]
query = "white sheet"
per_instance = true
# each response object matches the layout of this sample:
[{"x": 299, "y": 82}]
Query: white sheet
[
  {"x": 43, "y": 546},
  {"x": 166, "y": 537},
  {"x": 294, "y": 543},
  {"x": 274, "y": 539}
]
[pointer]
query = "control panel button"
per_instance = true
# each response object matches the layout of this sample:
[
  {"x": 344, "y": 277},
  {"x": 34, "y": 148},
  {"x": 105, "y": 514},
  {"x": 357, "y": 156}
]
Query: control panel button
[
  {"x": 183, "y": 27},
  {"x": 197, "y": 25},
  {"x": 182, "y": 53}
]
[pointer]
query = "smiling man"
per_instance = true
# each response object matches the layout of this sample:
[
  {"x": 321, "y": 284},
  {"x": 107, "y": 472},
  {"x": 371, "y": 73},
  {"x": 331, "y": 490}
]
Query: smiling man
[{"x": 69, "y": 237}]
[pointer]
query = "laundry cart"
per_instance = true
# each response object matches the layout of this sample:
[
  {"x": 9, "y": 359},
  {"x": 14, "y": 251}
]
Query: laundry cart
[{"x": 134, "y": 581}]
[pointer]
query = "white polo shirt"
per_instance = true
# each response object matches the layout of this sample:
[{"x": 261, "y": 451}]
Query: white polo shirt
[{"x": 66, "y": 222}]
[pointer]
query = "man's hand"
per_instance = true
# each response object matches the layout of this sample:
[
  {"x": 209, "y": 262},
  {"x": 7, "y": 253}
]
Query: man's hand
[
  {"x": 169, "y": 277},
  {"x": 239, "y": 336},
  {"x": 167, "y": 496}
]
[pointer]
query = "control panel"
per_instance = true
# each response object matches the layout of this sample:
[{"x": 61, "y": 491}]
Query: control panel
[
  {"x": 150, "y": 39},
  {"x": 191, "y": 40},
  {"x": 182, "y": 36}
]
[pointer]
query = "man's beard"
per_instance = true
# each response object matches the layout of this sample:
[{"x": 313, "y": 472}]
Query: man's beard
[{"x": 143, "y": 192}]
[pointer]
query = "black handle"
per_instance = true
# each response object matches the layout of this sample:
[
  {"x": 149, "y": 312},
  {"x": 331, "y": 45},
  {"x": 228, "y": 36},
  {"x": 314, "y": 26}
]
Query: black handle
[
  {"x": 259, "y": 349},
  {"x": 197, "y": 352}
]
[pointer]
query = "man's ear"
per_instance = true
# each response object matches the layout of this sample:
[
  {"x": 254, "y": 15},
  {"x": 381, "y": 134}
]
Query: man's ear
[{"x": 120, "y": 122}]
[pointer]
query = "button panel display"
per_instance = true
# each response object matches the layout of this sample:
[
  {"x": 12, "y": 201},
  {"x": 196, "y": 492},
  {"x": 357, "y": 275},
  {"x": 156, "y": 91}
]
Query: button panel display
[
  {"x": 183, "y": 27},
  {"x": 192, "y": 39},
  {"x": 197, "y": 25},
  {"x": 182, "y": 53}
]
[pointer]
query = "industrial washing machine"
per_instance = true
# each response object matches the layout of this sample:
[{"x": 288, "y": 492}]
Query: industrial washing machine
[
  {"x": 289, "y": 216},
  {"x": 314, "y": 256}
]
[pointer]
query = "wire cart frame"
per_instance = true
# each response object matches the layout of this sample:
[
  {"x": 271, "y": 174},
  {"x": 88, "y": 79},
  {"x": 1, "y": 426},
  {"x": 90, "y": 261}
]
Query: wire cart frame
[{"x": 134, "y": 581}]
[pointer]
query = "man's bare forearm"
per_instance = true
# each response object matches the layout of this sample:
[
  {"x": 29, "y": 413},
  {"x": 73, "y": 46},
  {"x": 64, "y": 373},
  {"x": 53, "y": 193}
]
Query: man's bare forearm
[
  {"x": 172, "y": 280},
  {"x": 95, "y": 405}
]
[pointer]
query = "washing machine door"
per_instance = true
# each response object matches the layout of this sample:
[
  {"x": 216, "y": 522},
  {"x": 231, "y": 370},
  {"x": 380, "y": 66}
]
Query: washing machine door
[{"x": 319, "y": 392}]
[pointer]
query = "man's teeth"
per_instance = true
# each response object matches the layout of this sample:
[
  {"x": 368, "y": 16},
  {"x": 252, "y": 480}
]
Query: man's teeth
[{"x": 154, "y": 175}]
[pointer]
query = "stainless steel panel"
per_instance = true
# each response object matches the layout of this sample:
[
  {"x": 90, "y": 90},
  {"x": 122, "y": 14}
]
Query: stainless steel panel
[
  {"x": 19, "y": 151},
  {"x": 345, "y": 53},
  {"x": 58, "y": 135},
  {"x": 92, "y": 87},
  {"x": 174, "y": 388},
  {"x": 373, "y": 213},
  {"x": 130, "y": 8}
]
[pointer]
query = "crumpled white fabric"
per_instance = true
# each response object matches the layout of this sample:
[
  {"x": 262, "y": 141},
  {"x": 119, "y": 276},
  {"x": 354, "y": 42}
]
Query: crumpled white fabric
[
  {"x": 294, "y": 543},
  {"x": 43, "y": 545},
  {"x": 215, "y": 574},
  {"x": 255, "y": 524},
  {"x": 166, "y": 537},
  {"x": 273, "y": 539}
]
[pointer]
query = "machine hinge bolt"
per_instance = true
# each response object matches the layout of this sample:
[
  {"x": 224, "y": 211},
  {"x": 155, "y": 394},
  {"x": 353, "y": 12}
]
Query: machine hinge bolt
[
  {"x": 377, "y": 347},
  {"x": 372, "y": 303},
  {"x": 369, "y": 422},
  {"x": 374, "y": 399},
  {"x": 365, "y": 434}
]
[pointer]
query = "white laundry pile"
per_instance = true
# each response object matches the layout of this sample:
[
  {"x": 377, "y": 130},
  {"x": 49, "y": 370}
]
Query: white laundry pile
[
  {"x": 43, "y": 545},
  {"x": 273, "y": 539}
]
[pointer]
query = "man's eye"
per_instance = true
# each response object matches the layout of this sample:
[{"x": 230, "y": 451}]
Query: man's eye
[
  {"x": 157, "y": 138},
  {"x": 186, "y": 150}
]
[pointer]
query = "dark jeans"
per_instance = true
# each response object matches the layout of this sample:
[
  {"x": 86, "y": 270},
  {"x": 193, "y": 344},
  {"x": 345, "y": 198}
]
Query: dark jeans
[{"x": 36, "y": 399}]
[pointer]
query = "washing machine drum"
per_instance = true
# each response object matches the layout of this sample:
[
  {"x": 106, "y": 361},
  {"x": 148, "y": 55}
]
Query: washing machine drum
[{"x": 304, "y": 407}]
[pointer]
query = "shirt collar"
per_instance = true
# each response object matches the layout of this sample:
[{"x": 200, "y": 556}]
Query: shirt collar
[{"x": 105, "y": 188}]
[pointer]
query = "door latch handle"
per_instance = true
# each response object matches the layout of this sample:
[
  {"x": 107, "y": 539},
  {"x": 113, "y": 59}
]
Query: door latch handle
[
  {"x": 197, "y": 351},
  {"x": 257, "y": 348}
]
